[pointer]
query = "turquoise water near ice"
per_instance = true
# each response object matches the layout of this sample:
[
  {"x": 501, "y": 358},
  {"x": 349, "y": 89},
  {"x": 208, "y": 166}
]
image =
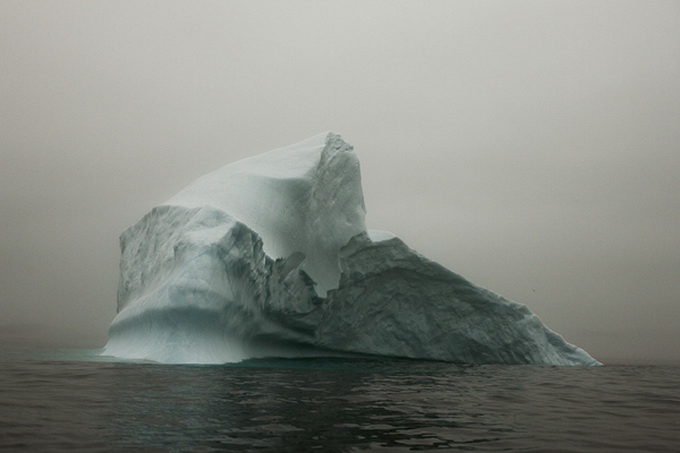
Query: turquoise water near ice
[{"x": 76, "y": 401}]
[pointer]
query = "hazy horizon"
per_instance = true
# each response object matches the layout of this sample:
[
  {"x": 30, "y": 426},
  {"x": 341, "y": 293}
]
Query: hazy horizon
[{"x": 532, "y": 147}]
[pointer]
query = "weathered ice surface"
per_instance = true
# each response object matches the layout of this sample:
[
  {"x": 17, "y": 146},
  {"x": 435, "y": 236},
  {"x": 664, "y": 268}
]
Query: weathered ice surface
[{"x": 270, "y": 256}]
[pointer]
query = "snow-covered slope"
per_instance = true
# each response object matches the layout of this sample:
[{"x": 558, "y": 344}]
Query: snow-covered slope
[{"x": 270, "y": 256}]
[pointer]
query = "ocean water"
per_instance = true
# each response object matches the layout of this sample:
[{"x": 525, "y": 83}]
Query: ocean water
[{"x": 72, "y": 401}]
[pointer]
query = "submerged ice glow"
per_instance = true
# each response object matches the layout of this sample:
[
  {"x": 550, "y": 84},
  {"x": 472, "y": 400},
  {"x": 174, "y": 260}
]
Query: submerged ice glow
[{"x": 270, "y": 256}]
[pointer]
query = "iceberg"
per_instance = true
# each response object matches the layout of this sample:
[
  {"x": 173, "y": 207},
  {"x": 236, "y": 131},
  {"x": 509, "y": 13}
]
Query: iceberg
[{"x": 270, "y": 256}]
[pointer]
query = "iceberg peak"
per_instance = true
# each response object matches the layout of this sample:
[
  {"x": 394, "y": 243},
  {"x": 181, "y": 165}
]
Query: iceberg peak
[{"x": 303, "y": 198}]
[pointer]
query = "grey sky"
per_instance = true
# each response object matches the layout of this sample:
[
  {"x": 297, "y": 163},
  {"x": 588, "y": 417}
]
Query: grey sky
[{"x": 531, "y": 146}]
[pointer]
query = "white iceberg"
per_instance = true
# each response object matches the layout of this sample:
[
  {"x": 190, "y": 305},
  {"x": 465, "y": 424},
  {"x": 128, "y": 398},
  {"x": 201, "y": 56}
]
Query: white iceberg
[{"x": 270, "y": 256}]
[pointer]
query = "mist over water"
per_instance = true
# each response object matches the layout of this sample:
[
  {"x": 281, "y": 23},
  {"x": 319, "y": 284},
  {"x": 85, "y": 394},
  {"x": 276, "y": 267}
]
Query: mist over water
[
  {"x": 57, "y": 403},
  {"x": 529, "y": 146}
]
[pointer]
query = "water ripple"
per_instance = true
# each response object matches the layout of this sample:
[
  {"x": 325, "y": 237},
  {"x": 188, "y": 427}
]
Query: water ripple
[{"x": 336, "y": 405}]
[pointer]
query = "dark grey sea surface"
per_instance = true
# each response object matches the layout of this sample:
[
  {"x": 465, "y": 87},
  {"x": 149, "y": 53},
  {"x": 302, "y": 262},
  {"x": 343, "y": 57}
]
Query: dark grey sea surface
[{"x": 71, "y": 401}]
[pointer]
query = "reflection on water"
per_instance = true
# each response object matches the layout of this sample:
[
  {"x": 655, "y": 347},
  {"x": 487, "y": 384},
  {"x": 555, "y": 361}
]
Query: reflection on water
[{"x": 336, "y": 405}]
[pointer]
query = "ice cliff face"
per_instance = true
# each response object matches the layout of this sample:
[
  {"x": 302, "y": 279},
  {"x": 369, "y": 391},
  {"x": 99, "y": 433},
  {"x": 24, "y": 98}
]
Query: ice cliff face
[{"x": 270, "y": 256}]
